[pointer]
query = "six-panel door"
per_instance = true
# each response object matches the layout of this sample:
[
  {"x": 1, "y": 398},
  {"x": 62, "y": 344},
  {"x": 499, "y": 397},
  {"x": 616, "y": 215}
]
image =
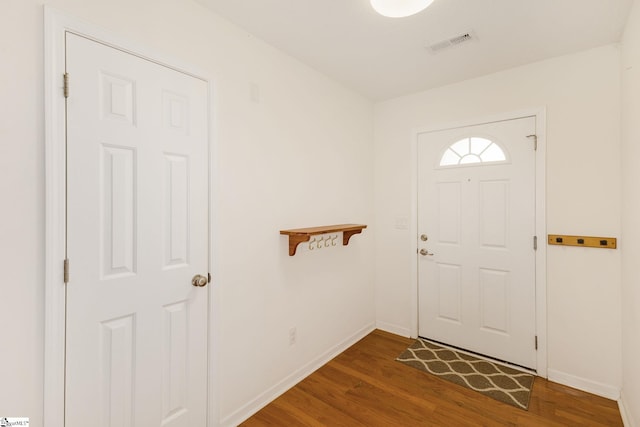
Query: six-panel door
[{"x": 137, "y": 233}]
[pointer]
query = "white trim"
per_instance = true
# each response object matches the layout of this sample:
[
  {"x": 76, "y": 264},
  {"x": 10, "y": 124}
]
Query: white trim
[
  {"x": 266, "y": 397},
  {"x": 56, "y": 23},
  {"x": 604, "y": 390},
  {"x": 627, "y": 419},
  {"x": 55, "y": 225},
  {"x": 541, "y": 223},
  {"x": 213, "y": 417},
  {"x": 393, "y": 329},
  {"x": 541, "y": 232},
  {"x": 413, "y": 236},
  {"x": 518, "y": 114}
]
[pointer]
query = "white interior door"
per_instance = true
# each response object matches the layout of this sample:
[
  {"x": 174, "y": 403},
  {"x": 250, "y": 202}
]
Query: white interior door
[
  {"x": 476, "y": 225},
  {"x": 137, "y": 206}
]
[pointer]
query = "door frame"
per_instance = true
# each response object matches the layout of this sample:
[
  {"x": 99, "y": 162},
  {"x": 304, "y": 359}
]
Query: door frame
[
  {"x": 540, "y": 222},
  {"x": 56, "y": 24}
]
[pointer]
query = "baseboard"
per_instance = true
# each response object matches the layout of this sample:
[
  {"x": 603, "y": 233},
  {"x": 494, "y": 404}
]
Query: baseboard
[
  {"x": 262, "y": 400},
  {"x": 627, "y": 420},
  {"x": 394, "y": 329},
  {"x": 593, "y": 387}
]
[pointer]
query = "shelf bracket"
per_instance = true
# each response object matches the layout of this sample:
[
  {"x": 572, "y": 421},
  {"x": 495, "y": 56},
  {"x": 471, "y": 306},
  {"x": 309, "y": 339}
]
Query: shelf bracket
[
  {"x": 295, "y": 240},
  {"x": 346, "y": 235}
]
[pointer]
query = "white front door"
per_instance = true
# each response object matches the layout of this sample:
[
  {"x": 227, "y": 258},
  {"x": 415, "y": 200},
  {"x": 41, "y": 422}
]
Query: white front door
[
  {"x": 476, "y": 225},
  {"x": 137, "y": 213}
]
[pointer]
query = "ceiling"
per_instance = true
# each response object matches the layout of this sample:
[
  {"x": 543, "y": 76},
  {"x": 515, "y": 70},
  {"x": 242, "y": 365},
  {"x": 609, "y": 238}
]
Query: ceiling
[{"x": 382, "y": 58}]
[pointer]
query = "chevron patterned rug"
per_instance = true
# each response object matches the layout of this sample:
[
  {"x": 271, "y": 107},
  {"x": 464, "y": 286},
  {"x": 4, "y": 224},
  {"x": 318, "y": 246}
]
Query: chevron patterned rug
[{"x": 502, "y": 383}]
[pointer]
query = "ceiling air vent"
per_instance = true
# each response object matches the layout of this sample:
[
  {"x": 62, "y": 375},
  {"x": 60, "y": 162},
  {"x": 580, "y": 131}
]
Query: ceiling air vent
[{"x": 450, "y": 42}]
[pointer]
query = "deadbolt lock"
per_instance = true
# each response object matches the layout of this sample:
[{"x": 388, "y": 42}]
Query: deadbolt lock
[{"x": 424, "y": 237}]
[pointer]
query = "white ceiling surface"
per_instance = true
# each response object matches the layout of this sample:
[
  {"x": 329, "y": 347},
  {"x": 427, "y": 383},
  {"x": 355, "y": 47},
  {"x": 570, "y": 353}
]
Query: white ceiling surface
[{"x": 386, "y": 57}]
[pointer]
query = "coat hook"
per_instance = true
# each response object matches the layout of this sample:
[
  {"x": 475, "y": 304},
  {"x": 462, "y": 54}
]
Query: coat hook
[
  {"x": 333, "y": 240},
  {"x": 319, "y": 243},
  {"x": 311, "y": 244}
]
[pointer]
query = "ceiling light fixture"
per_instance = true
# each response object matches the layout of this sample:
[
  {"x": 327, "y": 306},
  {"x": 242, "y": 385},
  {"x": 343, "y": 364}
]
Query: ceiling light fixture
[{"x": 399, "y": 8}]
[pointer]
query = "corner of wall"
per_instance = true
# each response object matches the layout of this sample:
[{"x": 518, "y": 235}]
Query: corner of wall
[
  {"x": 630, "y": 104},
  {"x": 393, "y": 329},
  {"x": 627, "y": 419}
]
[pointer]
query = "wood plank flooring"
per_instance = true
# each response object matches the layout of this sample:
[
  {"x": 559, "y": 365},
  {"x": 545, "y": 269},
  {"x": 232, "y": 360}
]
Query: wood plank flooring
[{"x": 366, "y": 386}]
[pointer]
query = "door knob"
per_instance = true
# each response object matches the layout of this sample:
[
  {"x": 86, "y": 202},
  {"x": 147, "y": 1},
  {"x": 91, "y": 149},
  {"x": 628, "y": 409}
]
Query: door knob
[
  {"x": 425, "y": 252},
  {"x": 199, "y": 280}
]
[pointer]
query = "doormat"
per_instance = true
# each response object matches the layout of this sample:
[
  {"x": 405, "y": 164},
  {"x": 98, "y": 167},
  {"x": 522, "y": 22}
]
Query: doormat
[{"x": 502, "y": 383}]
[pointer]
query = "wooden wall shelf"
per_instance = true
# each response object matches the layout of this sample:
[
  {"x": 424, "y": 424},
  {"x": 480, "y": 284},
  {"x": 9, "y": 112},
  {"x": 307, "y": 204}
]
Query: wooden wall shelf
[{"x": 299, "y": 235}]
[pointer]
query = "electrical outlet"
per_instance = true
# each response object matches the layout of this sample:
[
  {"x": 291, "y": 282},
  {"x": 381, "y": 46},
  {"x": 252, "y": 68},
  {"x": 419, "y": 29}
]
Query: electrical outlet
[{"x": 293, "y": 336}]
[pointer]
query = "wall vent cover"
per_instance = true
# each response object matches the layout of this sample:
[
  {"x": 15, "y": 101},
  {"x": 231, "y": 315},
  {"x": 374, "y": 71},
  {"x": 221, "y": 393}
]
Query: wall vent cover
[{"x": 451, "y": 42}]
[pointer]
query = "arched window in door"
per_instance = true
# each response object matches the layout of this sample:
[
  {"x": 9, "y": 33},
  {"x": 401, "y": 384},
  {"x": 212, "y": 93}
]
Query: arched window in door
[{"x": 472, "y": 150}]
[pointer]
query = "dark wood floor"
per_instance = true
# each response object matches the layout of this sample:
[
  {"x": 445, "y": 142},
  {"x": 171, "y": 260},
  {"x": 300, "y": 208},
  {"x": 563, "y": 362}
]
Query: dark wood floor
[{"x": 365, "y": 386}]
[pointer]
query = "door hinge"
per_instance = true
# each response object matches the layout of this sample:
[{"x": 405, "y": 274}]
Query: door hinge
[
  {"x": 66, "y": 271},
  {"x": 65, "y": 79},
  {"x": 536, "y": 342},
  {"x": 535, "y": 243},
  {"x": 535, "y": 141},
  {"x": 209, "y": 277}
]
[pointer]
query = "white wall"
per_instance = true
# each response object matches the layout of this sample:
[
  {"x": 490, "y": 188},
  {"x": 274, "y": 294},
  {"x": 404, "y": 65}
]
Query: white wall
[
  {"x": 21, "y": 211},
  {"x": 630, "y": 218},
  {"x": 581, "y": 93},
  {"x": 303, "y": 157},
  {"x": 300, "y": 157}
]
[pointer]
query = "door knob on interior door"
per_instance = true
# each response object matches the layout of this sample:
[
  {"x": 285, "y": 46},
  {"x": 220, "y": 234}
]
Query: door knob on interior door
[
  {"x": 425, "y": 252},
  {"x": 199, "y": 280}
]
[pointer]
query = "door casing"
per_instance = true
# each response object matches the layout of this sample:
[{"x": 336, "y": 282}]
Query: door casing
[
  {"x": 540, "y": 198},
  {"x": 56, "y": 24}
]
